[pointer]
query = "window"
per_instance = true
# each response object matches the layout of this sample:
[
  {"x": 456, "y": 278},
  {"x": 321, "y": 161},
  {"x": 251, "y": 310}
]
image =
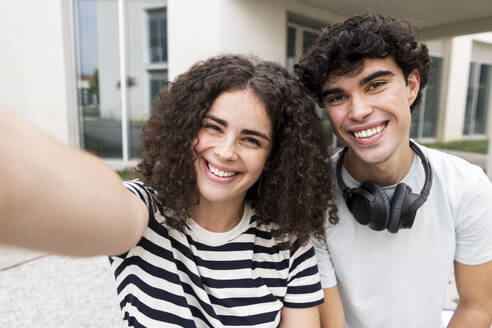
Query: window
[
  {"x": 477, "y": 99},
  {"x": 425, "y": 115},
  {"x": 157, "y": 35},
  {"x": 148, "y": 65},
  {"x": 299, "y": 38},
  {"x": 99, "y": 100},
  {"x": 157, "y": 81},
  {"x": 301, "y": 35},
  {"x": 110, "y": 123}
]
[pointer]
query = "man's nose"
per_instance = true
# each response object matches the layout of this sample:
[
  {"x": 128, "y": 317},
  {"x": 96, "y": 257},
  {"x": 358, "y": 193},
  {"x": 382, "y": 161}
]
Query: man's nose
[{"x": 360, "y": 108}]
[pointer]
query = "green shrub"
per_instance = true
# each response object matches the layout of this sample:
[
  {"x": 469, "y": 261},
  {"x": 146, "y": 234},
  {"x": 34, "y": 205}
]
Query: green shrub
[{"x": 472, "y": 146}]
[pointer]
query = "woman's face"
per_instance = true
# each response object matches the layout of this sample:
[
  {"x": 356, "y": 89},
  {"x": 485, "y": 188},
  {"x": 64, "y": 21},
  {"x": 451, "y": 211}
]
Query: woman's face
[{"x": 233, "y": 146}]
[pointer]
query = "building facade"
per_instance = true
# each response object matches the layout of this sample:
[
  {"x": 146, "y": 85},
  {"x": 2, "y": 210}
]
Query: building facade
[{"x": 63, "y": 63}]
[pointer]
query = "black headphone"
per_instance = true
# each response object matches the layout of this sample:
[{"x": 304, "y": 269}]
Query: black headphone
[{"x": 371, "y": 206}]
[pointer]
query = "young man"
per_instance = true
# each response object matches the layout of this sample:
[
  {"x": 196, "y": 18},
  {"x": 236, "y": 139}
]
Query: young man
[{"x": 392, "y": 252}]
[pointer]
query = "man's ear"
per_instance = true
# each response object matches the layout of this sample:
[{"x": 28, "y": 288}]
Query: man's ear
[{"x": 413, "y": 86}]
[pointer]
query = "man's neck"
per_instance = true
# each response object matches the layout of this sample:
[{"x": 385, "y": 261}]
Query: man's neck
[{"x": 386, "y": 173}]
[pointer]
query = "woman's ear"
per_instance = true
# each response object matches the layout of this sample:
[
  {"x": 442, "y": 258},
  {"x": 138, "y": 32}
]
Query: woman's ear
[{"x": 413, "y": 86}]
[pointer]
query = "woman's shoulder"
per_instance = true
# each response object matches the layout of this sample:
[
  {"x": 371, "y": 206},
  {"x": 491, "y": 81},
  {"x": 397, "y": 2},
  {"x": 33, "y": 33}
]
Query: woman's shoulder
[
  {"x": 157, "y": 212},
  {"x": 145, "y": 193}
]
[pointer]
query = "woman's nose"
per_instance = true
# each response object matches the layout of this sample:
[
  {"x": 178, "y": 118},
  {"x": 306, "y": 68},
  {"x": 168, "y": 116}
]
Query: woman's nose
[{"x": 226, "y": 150}]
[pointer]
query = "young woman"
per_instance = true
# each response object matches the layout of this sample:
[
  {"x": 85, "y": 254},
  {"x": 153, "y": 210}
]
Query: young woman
[{"x": 218, "y": 235}]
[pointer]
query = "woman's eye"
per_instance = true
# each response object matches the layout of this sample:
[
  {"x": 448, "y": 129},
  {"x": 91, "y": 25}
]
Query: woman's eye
[
  {"x": 212, "y": 127},
  {"x": 252, "y": 141}
]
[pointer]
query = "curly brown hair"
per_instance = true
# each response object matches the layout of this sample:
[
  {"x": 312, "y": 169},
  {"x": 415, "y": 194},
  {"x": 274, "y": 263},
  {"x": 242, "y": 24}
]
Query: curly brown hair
[
  {"x": 342, "y": 47},
  {"x": 295, "y": 190}
]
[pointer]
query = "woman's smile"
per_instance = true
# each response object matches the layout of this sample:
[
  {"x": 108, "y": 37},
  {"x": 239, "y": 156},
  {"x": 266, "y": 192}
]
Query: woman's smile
[{"x": 219, "y": 174}]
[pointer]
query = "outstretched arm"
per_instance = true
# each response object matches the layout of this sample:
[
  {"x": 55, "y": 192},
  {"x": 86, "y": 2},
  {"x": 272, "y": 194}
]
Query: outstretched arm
[
  {"x": 474, "y": 284},
  {"x": 62, "y": 200}
]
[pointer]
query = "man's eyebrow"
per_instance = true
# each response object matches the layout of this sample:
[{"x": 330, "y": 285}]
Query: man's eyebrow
[
  {"x": 255, "y": 133},
  {"x": 373, "y": 76},
  {"x": 327, "y": 92},
  {"x": 216, "y": 119}
]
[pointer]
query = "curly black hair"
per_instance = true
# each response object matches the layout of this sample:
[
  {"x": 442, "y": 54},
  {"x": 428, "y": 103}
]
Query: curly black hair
[
  {"x": 295, "y": 190},
  {"x": 342, "y": 47}
]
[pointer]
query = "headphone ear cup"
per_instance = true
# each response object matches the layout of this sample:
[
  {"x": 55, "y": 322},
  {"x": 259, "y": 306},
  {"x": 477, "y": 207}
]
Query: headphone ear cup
[
  {"x": 370, "y": 205},
  {"x": 409, "y": 210},
  {"x": 402, "y": 210},
  {"x": 397, "y": 206}
]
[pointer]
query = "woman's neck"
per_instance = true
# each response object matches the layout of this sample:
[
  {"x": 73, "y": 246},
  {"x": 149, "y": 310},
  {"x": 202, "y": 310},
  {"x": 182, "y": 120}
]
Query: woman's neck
[{"x": 217, "y": 217}]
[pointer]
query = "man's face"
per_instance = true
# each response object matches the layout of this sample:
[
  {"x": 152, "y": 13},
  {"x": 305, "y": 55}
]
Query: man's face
[{"x": 370, "y": 110}]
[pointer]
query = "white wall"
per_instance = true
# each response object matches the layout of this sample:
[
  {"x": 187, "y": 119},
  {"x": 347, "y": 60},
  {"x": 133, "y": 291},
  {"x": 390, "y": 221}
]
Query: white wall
[
  {"x": 455, "y": 86},
  {"x": 193, "y": 27},
  {"x": 223, "y": 26},
  {"x": 436, "y": 47},
  {"x": 482, "y": 52},
  {"x": 319, "y": 14},
  {"x": 36, "y": 65},
  {"x": 254, "y": 27}
]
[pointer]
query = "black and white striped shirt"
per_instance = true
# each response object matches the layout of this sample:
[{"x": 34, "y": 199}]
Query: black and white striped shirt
[{"x": 238, "y": 278}]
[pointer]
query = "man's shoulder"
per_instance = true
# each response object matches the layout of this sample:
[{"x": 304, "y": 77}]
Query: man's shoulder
[
  {"x": 447, "y": 163},
  {"x": 455, "y": 178}
]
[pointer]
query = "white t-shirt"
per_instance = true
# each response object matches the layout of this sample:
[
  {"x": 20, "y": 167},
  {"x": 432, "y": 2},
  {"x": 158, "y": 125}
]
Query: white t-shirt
[
  {"x": 399, "y": 280},
  {"x": 200, "y": 278}
]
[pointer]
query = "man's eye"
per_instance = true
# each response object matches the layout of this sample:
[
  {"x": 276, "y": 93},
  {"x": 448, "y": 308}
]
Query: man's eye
[
  {"x": 335, "y": 99},
  {"x": 376, "y": 85}
]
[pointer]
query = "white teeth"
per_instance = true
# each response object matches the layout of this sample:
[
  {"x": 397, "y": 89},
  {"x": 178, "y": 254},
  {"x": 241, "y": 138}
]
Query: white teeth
[
  {"x": 369, "y": 132},
  {"x": 220, "y": 173}
]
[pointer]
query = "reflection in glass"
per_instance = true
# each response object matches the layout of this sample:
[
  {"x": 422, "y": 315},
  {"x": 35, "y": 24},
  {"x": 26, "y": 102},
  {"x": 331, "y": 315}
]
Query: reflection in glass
[
  {"x": 147, "y": 64},
  {"x": 425, "y": 115},
  {"x": 294, "y": 51},
  {"x": 157, "y": 81},
  {"x": 471, "y": 97},
  {"x": 477, "y": 99},
  {"x": 98, "y": 77},
  {"x": 308, "y": 39},
  {"x": 291, "y": 48},
  {"x": 157, "y": 35},
  {"x": 483, "y": 99}
]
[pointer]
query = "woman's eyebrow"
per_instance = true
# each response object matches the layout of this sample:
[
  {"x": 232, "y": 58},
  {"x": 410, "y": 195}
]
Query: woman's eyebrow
[
  {"x": 243, "y": 131},
  {"x": 216, "y": 119},
  {"x": 255, "y": 133}
]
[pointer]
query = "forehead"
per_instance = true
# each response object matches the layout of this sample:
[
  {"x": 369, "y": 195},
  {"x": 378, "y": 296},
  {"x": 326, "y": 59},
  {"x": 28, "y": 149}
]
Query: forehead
[
  {"x": 369, "y": 66},
  {"x": 242, "y": 108}
]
